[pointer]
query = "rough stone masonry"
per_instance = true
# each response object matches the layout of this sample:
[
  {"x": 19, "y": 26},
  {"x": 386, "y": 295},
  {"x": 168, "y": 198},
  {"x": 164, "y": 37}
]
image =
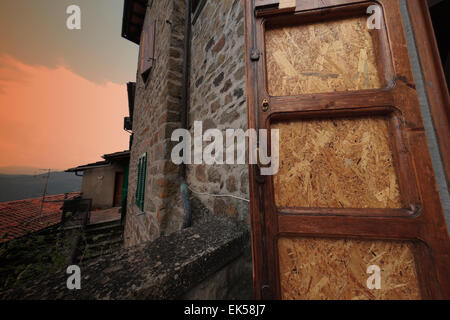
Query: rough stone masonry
[{"x": 217, "y": 98}]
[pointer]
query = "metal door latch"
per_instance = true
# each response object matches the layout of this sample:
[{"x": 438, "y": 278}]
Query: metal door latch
[
  {"x": 255, "y": 54},
  {"x": 265, "y": 105}
]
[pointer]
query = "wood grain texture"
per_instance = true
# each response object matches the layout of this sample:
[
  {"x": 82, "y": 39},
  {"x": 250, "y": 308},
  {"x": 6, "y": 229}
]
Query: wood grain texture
[
  {"x": 284, "y": 4},
  {"x": 331, "y": 56},
  {"x": 415, "y": 172},
  {"x": 269, "y": 7},
  {"x": 315, "y": 4},
  {"x": 336, "y": 163},
  {"x": 336, "y": 269}
]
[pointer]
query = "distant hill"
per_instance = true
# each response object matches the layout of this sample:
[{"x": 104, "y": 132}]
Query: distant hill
[
  {"x": 16, "y": 170},
  {"x": 18, "y": 187}
]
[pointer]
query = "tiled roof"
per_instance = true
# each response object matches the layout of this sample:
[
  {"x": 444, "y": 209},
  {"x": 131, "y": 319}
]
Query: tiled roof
[
  {"x": 17, "y": 218},
  {"x": 89, "y": 166},
  {"x": 117, "y": 155},
  {"x": 109, "y": 158}
]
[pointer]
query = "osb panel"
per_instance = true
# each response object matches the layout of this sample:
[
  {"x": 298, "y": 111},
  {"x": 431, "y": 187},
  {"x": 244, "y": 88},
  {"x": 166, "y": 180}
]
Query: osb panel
[
  {"x": 316, "y": 269},
  {"x": 336, "y": 163},
  {"x": 322, "y": 57}
]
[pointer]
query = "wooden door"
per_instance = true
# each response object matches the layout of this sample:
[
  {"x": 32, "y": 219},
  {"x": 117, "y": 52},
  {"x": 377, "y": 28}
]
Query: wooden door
[
  {"x": 118, "y": 189},
  {"x": 356, "y": 189}
]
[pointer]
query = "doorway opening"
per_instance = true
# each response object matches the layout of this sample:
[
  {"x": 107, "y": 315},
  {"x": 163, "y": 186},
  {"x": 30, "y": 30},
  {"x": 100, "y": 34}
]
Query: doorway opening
[{"x": 440, "y": 10}]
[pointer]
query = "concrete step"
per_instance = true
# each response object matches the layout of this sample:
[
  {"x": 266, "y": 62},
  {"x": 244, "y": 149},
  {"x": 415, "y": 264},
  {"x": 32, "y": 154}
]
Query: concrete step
[
  {"x": 93, "y": 254},
  {"x": 103, "y": 228},
  {"x": 101, "y": 237},
  {"x": 104, "y": 224},
  {"x": 105, "y": 244}
]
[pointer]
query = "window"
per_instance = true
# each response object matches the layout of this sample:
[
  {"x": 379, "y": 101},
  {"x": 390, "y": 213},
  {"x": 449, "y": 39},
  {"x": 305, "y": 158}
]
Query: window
[
  {"x": 141, "y": 178},
  {"x": 147, "y": 55}
]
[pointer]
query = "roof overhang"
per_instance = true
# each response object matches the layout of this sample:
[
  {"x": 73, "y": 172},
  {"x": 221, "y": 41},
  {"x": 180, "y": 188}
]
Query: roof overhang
[
  {"x": 133, "y": 19},
  {"x": 131, "y": 89},
  {"x": 100, "y": 164},
  {"x": 123, "y": 155},
  {"x": 109, "y": 159}
]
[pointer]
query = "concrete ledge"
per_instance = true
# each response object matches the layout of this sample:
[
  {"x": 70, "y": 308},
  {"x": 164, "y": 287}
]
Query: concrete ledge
[{"x": 164, "y": 269}]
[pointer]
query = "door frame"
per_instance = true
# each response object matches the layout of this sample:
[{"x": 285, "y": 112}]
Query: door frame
[
  {"x": 436, "y": 85},
  {"x": 426, "y": 227},
  {"x": 116, "y": 189}
]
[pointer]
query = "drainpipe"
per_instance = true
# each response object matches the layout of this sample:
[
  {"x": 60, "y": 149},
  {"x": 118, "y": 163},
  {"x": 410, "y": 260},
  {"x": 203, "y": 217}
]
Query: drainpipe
[{"x": 187, "y": 219}]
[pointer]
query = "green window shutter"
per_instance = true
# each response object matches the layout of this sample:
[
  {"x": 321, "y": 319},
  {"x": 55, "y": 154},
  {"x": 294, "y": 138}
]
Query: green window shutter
[
  {"x": 141, "y": 180},
  {"x": 137, "y": 182},
  {"x": 144, "y": 178},
  {"x": 140, "y": 184},
  {"x": 138, "y": 187}
]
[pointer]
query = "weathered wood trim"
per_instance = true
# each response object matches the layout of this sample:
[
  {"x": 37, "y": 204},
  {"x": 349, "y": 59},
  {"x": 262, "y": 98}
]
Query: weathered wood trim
[
  {"x": 426, "y": 225},
  {"x": 435, "y": 82}
]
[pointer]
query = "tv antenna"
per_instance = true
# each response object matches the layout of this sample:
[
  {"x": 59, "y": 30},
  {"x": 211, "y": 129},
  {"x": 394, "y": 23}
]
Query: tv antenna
[{"x": 44, "y": 193}]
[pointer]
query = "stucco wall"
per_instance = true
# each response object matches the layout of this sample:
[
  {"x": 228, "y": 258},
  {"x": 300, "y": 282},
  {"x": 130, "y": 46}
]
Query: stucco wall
[{"x": 98, "y": 184}]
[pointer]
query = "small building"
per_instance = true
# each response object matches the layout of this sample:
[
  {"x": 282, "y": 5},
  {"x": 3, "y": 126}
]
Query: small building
[{"x": 105, "y": 182}]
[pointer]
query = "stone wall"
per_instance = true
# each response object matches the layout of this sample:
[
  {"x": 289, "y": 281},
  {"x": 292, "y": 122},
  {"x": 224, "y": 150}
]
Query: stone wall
[
  {"x": 212, "y": 259},
  {"x": 183, "y": 264},
  {"x": 218, "y": 99},
  {"x": 156, "y": 115},
  {"x": 229, "y": 283}
]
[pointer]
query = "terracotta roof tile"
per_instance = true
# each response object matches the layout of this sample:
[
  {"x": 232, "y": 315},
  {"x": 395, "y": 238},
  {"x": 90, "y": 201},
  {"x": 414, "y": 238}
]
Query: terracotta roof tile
[{"x": 17, "y": 218}]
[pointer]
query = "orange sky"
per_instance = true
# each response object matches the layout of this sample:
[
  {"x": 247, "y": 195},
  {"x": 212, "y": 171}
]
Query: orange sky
[{"x": 54, "y": 118}]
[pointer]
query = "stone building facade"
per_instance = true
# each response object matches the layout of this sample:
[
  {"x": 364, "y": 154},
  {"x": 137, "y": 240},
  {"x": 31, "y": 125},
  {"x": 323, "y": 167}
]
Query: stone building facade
[
  {"x": 211, "y": 259},
  {"x": 105, "y": 182},
  {"x": 161, "y": 259},
  {"x": 156, "y": 115},
  {"x": 217, "y": 98}
]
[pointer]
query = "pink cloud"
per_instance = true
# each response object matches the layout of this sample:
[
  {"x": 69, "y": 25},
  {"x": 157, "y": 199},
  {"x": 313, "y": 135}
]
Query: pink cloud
[{"x": 53, "y": 118}]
